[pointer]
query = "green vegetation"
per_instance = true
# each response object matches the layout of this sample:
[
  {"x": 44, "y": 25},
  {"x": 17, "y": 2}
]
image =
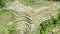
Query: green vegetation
[
  {"x": 2, "y": 3},
  {"x": 7, "y": 22},
  {"x": 27, "y": 2},
  {"x": 54, "y": 0},
  {"x": 48, "y": 25},
  {"x": 35, "y": 3}
]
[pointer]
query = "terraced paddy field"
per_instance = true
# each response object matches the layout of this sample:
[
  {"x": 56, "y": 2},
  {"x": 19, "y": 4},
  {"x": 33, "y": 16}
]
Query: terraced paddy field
[{"x": 23, "y": 17}]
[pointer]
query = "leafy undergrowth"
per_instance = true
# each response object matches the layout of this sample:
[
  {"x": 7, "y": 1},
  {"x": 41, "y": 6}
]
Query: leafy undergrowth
[
  {"x": 7, "y": 22},
  {"x": 48, "y": 26}
]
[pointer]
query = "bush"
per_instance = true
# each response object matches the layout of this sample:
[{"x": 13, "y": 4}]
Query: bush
[
  {"x": 49, "y": 24},
  {"x": 2, "y": 3},
  {"x": 56, "y": 0},
  {"x": 53, "y": 0}
]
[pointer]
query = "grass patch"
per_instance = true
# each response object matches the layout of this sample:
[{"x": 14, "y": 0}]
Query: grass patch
[
  {"x": 7, "y": 22},
  {"x": 34, "y": 4}
]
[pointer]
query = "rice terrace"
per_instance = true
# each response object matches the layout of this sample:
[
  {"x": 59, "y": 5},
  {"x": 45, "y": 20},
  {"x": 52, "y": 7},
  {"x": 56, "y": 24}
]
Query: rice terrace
[{"x": 29, "y": 16}]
